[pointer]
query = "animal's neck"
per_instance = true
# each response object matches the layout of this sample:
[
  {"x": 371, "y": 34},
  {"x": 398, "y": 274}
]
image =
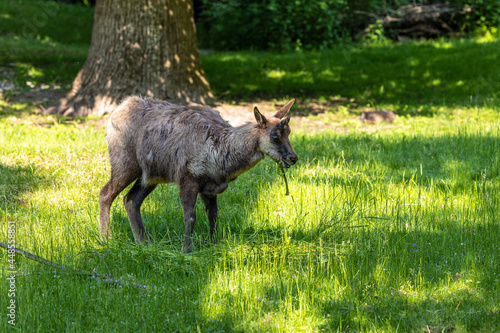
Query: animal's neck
[{"x": 243, "y": 150}]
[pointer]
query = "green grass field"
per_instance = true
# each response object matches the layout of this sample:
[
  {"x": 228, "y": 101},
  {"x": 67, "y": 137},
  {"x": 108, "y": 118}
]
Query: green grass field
[
  {"x": 388, "y": 227},
  {"x": 384, "y": 230}
]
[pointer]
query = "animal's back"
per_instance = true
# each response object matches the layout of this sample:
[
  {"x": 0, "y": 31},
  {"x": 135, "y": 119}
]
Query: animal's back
[
  {"x": 164, "y": 139},
  {"x": 129, "y": 117}
]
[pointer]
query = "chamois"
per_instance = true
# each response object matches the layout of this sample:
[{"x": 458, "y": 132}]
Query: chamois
[{"x": 152, "y": 141}]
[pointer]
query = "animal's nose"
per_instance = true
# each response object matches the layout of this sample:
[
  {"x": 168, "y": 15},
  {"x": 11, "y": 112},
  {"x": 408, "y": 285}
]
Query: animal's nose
[{"x": 293, "y": 159}]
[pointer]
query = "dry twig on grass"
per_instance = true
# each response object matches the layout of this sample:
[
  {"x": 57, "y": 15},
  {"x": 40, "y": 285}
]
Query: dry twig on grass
[{"x": 65, "y": 270}]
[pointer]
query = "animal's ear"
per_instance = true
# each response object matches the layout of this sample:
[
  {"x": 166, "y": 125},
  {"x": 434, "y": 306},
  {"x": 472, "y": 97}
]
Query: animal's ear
[
  {"x": 284, "y": 110},
  {"x": 285, "y": 121},
  {"x": 260, "y": 118}
]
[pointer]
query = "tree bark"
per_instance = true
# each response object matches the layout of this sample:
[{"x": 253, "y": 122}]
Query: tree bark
[{"x": 139, "y": 47}]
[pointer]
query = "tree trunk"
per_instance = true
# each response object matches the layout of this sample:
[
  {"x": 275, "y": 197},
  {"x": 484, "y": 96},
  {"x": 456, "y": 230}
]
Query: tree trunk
[{"x": 139, "y": 47}]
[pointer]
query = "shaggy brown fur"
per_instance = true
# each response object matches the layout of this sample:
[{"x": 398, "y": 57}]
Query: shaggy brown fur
[
  {"x": 376, "y": 117},
  {"x": 152, "y": 141}
]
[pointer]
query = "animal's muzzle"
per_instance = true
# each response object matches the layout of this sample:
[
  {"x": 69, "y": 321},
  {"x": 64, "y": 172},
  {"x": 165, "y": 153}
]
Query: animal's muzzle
[{"x": 289, "y": 160}]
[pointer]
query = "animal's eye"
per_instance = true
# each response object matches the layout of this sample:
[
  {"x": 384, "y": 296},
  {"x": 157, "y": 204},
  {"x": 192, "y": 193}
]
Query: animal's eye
[{"x": 275, "y": 138}]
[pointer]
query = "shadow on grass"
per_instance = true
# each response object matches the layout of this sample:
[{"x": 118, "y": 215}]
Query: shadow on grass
[
  {"x": 412, "y": 77},
  {"x": 38, "y": 48},
  {"x": 403, "y": 297},
  {"x": 15, "y": 182},
  {"x": 401, "y": 313},
  {"x": 48, "y": 21},
  {"x": 456, "y": 160},
  {"x": 425, "y": 282}
]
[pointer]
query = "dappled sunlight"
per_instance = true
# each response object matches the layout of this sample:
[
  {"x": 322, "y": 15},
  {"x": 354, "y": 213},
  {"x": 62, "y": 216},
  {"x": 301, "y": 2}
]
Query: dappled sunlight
[
  {"x": 276, "y": 74},
  {"x": 443, "y": 44},
  {"x": 256, "y": 297},
  {"x": 309, "y": 287},
  {"x": 233, "y": 56},
  {"x": 415, "y": 75},
  {"x": 330, "y": 74},
  {"x": 121, "y": 63},
  {"x": 62, "y": 176},
  {"x": 435, "y": 82},
  {"x": 302, "y": 213},
  {"x": 488, "y": 37},
  {"x": 303, "y": 76},
  {"x": 38, "y": 62}
]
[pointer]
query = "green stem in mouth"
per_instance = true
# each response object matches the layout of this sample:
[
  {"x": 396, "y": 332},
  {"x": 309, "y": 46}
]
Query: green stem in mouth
[{"x": 280, "y": 166}]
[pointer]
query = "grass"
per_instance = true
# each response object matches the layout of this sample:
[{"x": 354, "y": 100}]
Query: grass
[
  {"x": 37, "y": 44},
  {"x": 387, "y": 228},
  {"x": 409, "y": 78},
  {"x": 47, "y": 20},
  {"x": 383, "y": 231}
]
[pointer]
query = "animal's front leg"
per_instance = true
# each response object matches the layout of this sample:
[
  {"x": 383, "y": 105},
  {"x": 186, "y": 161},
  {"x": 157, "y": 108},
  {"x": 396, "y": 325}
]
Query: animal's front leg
[
  {"x": 210, "y": 202},
  {"x": 188, "y": 192}
]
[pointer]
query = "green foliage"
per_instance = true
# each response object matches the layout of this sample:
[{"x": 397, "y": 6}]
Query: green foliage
[
  {"x": 271, "y": 24},
  {"x": 374, "y": 34},
  {"x": 304, "y": 24},
  {"x": 485, "y": 16}
]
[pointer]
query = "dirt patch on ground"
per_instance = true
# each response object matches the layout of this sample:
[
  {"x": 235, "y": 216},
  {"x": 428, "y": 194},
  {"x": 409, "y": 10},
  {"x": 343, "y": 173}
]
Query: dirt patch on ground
[
  {"x": 337, "y": 114},
  {"x": 324, "y": 112},
  {"x": 36, "y": 102},
  {"x": 238, "y": 113}
]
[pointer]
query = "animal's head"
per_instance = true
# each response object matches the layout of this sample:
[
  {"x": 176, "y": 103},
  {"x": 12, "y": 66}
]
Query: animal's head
[{"x": 274, "y": 140}]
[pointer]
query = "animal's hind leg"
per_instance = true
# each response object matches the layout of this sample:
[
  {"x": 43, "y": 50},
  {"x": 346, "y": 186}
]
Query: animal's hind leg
[
  {"x": 133, "y": 202},
  {"x": 210, "y": 202},
  {"x": 106, "y": 197}
]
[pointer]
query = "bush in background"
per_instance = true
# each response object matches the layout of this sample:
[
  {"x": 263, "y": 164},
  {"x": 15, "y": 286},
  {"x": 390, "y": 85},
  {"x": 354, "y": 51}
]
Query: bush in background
[
  {"x": 306, "y": 24},
  {"x": 484, "y": 17},
  {"x": 271, "y": 24}
]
